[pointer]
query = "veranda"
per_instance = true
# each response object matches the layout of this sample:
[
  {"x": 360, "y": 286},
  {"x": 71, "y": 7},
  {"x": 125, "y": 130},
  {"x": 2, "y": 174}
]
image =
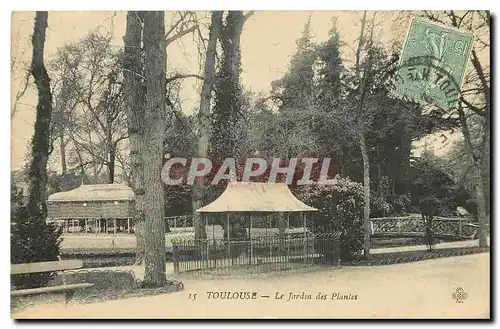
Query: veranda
[{"x": 102, "y": 208}]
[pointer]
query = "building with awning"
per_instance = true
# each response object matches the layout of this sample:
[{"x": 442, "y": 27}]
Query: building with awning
[
  {"x": 252, "y": 203},
  {"x": 256, "y": 197},
  {"x": 100, "y": 208},
  {"x": 252, "y": 248}
]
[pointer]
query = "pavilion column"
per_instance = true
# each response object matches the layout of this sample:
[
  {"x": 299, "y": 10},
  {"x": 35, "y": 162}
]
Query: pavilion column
[
  {"x": 114, "y": 226},
  {"x": 250, "y": 237},
  {"x": 305, "y": 235},
  {"x": 207, "y": 242},
  {"x": 128, "y": 225},
  {"x": 228, "y": 237},
  {"x": 86, "y": 224}
]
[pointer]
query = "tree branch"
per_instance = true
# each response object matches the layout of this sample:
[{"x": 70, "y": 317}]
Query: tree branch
[
  {"x": 474, "y": 108},
  {"x": 180, "y": 35},
  {"x": 183, "y": 76},
  {"x": 247, "y": 16},
  {"x": 20, "y": 93}
]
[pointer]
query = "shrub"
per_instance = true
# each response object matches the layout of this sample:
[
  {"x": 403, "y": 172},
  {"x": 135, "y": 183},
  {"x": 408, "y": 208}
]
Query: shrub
[
  {"x": 31, "y": 240},
  {"x": 379, "y": 207},
  {"x": 340, "y": 210},
  {"x": 401, "y": 204},
  {"x": 428, "y": 178}
]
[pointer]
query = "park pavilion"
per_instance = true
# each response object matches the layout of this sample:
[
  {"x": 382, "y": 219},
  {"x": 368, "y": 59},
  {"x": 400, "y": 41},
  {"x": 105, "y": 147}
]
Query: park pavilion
[
  {"x": 101, "y": 208},
  {"x": 254, "y": 235},
  {"x": 254, "y": 203}
]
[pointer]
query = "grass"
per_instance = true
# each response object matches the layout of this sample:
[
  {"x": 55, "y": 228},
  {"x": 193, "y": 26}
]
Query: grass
[
  {"x": 412, "y": 256},
  {"x": 108, "y": 285}
]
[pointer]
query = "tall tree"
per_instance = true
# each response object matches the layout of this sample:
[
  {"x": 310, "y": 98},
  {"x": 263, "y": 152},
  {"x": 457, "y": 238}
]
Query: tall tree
[
  {"x": 89, "y": 109},
  {"x": 40, "y": 143},
  {"x": 204, "y": 117},
  {"x": 362, "y": 75},
  {"x": 134, "y": 88},
  {"x": 32, "y": 238},
  {"x": 294, "y": 94},
  {"x": 226, "y": 116},
  {"x": 152, "y": 153},
  {"x": 475, "y": 100}
]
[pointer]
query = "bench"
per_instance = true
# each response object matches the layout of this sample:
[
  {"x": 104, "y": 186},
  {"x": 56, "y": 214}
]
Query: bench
[{"x": 55, "y": 266}]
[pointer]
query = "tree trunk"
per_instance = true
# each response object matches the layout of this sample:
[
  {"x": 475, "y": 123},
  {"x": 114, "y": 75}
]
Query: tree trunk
[
  {"x": 204, "y": 114},
  {"x": 481, "y": 203},
  {"x": 134, "y": 99},
  {"x": 484, "y": 177},
  {"x": 366, "y": 190},
  {"x": 476, "y": 165},
  {"x": 379, "y": 170},
  {"x": 406, "y": 152},
  {"x": 62, "y": 152},
  {"x": 155, "y": 106},
  {"x": 111, "y": 164},
  {"x": 362, "y": 140},
  {"x": 37, "y": 174}
]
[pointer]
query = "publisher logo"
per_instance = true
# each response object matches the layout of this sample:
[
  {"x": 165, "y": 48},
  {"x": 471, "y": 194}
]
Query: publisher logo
[{"x": 459, "y": 295}]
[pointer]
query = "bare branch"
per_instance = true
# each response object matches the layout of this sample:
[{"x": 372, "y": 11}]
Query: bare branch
[
  {"x": 184, "y": 76},
  {"x": 472, "y": 107},
  {"x": 175, "y": 25},
  {"x": 247, "y": 16},
  {"x": 180, "y": 34},
  {"x": 20, "y": 93}
]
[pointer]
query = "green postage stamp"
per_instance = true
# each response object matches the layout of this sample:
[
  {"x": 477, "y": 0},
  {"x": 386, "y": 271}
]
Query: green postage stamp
[{"x": 433, "y": 63}]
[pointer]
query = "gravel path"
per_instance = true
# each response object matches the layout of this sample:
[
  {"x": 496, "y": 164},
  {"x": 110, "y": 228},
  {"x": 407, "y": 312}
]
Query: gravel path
[{"x": 415, "y": 290}]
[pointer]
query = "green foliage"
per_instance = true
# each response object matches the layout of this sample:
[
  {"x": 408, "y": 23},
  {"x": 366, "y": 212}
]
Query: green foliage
[
  {"x": 31, "y": 240},
  {"x": 429, "y": 207},
  {"x": 178, "y": 200},
  {"x": 401, "y": 204},
  {"x": 428, "y": 179},
  {"x": 379, "y": 207},
  {"x": 61, "y": 183},
  {"x": 340, "y": 210},
  {"x": 227, "y": 118}
]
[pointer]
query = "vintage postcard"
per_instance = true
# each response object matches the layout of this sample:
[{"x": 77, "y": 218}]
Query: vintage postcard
[{"x": 250, "y": 165}]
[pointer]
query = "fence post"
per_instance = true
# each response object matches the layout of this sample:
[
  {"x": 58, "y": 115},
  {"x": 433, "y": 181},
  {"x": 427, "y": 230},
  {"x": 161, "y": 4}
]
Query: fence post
[
  {"x": 175, "y": 260},
  {"x": 313, "y": 255},
  {"x": 459, "y": 227},
  {"x": 336, "y": 248}
]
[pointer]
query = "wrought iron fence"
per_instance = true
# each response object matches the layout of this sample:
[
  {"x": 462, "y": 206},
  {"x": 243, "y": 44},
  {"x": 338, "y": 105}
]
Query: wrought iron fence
[
  {"x": 256, "y": 255},
  {"x": 185, "y": 222},
  {"x": 447, "y": 227}
]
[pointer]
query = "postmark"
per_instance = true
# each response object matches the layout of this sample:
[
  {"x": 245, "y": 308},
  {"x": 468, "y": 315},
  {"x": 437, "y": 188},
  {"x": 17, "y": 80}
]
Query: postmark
[
  {"x": 433, "y": 64},
  {"x": 420, "y": 80}
]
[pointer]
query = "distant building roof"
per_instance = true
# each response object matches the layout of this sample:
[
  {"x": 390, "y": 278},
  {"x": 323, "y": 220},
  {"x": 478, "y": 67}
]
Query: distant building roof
[
  {"x": 98, "y": 192},
  {"x": 252, "y": 196}
]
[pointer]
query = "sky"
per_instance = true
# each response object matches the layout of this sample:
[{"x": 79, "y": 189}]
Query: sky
[{"x": 267, "y": 43}]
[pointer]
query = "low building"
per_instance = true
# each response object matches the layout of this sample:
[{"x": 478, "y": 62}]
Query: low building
[{"x": 101, "y": 208}]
